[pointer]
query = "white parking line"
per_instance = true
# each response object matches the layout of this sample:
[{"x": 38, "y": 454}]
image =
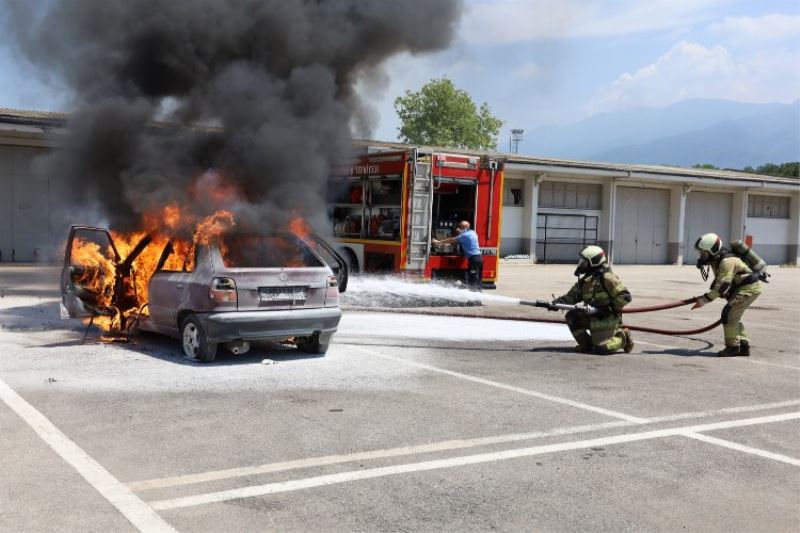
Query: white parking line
[
  {"x": 724, "y": 411},
  {"x": 371, "y": 473},
  {"x": 131, "y": 506},
  {"x": 742, "y": 448},
  {"x": 449, "y": 445},
  {"x": 496, "y": 384}
]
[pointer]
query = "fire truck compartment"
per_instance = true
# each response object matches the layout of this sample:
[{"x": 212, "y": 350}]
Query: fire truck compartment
[{"x": 453, "y": 201}]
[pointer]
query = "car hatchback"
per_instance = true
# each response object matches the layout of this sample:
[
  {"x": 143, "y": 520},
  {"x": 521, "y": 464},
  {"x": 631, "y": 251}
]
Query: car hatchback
[{"x": 231, "y": 291}]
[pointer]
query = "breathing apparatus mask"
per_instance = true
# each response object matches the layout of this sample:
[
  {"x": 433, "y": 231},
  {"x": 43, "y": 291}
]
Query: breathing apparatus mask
[
  {"x": 703, "y": 264},
  {"x": 583, "y": 267}
]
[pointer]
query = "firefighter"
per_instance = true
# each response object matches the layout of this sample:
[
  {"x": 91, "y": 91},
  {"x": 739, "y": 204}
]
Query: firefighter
[
  {"x": 735, "y": 281},
  {"x": 602, "y": 289},
  {"x": 468, "y": 240}
]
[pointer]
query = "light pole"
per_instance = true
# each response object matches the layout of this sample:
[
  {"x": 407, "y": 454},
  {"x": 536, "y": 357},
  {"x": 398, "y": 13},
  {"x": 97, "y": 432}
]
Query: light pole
[{"x": 516, "y": 137}]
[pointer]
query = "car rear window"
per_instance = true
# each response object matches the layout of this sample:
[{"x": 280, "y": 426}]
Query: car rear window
[{"x": 258, "y": 251}]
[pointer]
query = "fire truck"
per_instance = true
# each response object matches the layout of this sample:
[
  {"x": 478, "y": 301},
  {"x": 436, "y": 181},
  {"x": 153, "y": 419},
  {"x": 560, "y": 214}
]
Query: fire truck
[{"x": 386, "y": 206}]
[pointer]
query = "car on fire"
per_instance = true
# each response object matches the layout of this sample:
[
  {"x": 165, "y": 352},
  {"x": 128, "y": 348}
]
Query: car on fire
[{"x": 227, "y": 291}]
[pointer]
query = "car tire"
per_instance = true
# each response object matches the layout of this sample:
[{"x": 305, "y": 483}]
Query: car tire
[
  {"x": 194, "y": 344},
  {"x": 312, "y": 345}
]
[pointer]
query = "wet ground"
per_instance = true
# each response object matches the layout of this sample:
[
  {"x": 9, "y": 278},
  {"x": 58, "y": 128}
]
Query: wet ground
[{"x": 410, "y": 422}]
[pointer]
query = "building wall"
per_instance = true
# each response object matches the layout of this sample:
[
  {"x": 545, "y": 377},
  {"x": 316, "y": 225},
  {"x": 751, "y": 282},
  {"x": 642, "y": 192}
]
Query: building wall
[
  {"x": 683, "y": 211},
  {"x": 769, "y": 226}
]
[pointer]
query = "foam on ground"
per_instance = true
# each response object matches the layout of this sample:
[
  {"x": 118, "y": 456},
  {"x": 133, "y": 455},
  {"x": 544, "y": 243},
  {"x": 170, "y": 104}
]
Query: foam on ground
[{"x": 431, "y": 327}]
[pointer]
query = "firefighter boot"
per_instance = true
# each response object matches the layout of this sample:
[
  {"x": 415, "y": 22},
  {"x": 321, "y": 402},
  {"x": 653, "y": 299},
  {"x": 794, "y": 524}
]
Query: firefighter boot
[
  {"x": 627, "y": 340},
  {"x": 584, "y": 348},
  {"x": 744, "y": 348},
  {"x": 730, "y": 351}
]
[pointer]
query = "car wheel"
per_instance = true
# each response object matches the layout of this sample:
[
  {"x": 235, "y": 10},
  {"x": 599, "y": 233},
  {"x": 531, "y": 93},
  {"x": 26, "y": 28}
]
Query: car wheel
[
  {"x": 312, "y": 345},
  {"x": 193, "y": 340}
]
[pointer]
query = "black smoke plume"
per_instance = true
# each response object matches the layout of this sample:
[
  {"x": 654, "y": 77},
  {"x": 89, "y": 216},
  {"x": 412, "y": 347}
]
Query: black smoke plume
[{"x": 261, "y": 91}]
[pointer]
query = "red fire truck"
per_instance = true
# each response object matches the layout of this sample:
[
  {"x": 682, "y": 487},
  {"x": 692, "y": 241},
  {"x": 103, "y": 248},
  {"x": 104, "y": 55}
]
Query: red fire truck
[{"x": 386, "y": 206}]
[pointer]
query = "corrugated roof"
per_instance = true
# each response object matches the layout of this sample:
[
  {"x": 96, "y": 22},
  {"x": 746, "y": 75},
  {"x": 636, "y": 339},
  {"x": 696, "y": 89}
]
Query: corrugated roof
[{"x": 31, "y": 116}]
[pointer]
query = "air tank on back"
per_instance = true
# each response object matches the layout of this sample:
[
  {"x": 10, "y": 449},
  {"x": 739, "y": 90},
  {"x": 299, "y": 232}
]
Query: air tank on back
[{"x": 758, "y": 265}]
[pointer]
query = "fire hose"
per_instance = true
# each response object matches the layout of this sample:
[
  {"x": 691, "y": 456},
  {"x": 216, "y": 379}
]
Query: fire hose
[
  {"x": 632, "y": 328},
  {"x": 589, "y": 310},
  {"x": 645, "y": 309}
]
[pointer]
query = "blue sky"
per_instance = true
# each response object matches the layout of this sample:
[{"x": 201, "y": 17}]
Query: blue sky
[{"x": 541, "y": 62}]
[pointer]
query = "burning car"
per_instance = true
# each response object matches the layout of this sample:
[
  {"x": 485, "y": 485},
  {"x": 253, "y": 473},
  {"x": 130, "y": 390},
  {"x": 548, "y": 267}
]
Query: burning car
[{"x": 228, "y": 289}]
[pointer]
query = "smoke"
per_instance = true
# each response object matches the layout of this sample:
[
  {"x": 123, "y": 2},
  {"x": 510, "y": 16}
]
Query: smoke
[{"x": 273, "y": 78}]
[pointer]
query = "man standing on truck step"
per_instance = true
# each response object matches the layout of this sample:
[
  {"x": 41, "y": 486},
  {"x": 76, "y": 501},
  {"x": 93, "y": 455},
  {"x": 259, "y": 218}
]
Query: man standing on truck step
[{"x": 468, "y": 240}]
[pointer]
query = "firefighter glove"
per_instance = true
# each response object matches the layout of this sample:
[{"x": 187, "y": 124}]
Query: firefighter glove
[
  {"x": 604, "y": 311},
  {"x": 699, "y": 302}
]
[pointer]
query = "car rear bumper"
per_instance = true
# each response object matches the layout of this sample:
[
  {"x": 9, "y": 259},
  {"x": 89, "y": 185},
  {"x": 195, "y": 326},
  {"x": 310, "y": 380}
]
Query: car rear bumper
[{"x": 271, "y": 325}]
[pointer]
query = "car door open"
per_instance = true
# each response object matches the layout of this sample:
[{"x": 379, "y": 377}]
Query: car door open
[{"x": 88, "y": 273}]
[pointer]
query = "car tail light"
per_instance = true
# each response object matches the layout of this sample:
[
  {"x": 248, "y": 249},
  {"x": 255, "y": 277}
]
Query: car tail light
[
  {"x": 223, "y": 292},
  {"x": 332, "y": 292}
]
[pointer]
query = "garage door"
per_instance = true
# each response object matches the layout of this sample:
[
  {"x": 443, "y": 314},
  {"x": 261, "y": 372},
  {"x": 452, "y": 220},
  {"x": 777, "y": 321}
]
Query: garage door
[
  {"x": 640, "y": 226},
  {"x": 24, "y": 207},
  {"x": 706, "y": 212}
]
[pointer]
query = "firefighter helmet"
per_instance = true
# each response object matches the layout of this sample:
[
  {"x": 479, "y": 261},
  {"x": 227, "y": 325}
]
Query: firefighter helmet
[
  {"x": 590, "y": 258},
  {"x": 710, "y": 242}
]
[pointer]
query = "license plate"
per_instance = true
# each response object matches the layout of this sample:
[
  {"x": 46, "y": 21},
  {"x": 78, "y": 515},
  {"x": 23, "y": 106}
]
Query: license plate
[{"x": 282, "y": 294}]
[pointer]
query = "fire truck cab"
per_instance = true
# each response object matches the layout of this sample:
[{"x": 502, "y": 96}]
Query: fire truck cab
[{"x": 386, "y": 206}]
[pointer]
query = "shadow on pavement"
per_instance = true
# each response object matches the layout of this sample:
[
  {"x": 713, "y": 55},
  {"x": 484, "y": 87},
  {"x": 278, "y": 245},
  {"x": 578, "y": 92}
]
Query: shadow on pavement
[
  {"x": 169, "y": 350},
  {"x": 686, "y": 352},
  {"x": 44, "y": 316}
]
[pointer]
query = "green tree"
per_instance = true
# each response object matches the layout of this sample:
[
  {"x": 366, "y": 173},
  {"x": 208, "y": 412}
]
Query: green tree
[
  {"x": 790, "y": 169},
  {"x": 440, "y": 114},
  {"x": 706, "y": 166}
]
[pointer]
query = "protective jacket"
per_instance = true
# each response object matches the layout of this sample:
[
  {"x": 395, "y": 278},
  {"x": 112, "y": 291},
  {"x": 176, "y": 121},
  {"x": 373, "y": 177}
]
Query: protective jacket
[
  {"x": 735, "y": 281},
  {"x": 732, "y": 276},
  {"x": 603, "y": 290}
]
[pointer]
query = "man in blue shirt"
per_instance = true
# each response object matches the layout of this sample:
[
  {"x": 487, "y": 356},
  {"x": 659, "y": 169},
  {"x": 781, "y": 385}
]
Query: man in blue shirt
[{"x": 468, "y": 240}]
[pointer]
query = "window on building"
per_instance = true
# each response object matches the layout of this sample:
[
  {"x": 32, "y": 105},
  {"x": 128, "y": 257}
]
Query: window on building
[
  {"x": 759, "y": 206},
  {"x": 567, "y": 195},
  {"x": 513, "y": 193}
]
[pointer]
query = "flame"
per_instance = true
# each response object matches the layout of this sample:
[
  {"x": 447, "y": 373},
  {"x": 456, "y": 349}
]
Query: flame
[
  {"x": 299, "y": 227},
  {"x": 117, "y": 288},
  {"x": 97, "y": 271}
]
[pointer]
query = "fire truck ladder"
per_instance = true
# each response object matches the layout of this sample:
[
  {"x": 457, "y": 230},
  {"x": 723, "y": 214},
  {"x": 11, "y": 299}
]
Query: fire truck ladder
[{"x": 419, "y": 230}]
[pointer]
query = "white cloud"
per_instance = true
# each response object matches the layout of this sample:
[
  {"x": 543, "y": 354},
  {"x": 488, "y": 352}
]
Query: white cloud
[
  {"x": 527, "y": 71},
  {"x": 690, "y": 70},
  {"x": 510, "y": 21},
  {"x": 766, "y": 28}
]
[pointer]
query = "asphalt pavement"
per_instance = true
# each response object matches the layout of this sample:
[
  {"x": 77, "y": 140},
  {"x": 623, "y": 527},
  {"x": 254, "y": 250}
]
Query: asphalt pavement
[{"x": 411, "y": 422}]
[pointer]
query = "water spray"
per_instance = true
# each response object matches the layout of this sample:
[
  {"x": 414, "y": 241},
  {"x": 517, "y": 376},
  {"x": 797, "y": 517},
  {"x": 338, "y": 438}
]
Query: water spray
[{"x": 389, "y": 294}]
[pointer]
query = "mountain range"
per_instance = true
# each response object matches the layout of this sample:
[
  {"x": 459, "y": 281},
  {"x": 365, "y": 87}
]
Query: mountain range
[{"x": 723, "y": 133}]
